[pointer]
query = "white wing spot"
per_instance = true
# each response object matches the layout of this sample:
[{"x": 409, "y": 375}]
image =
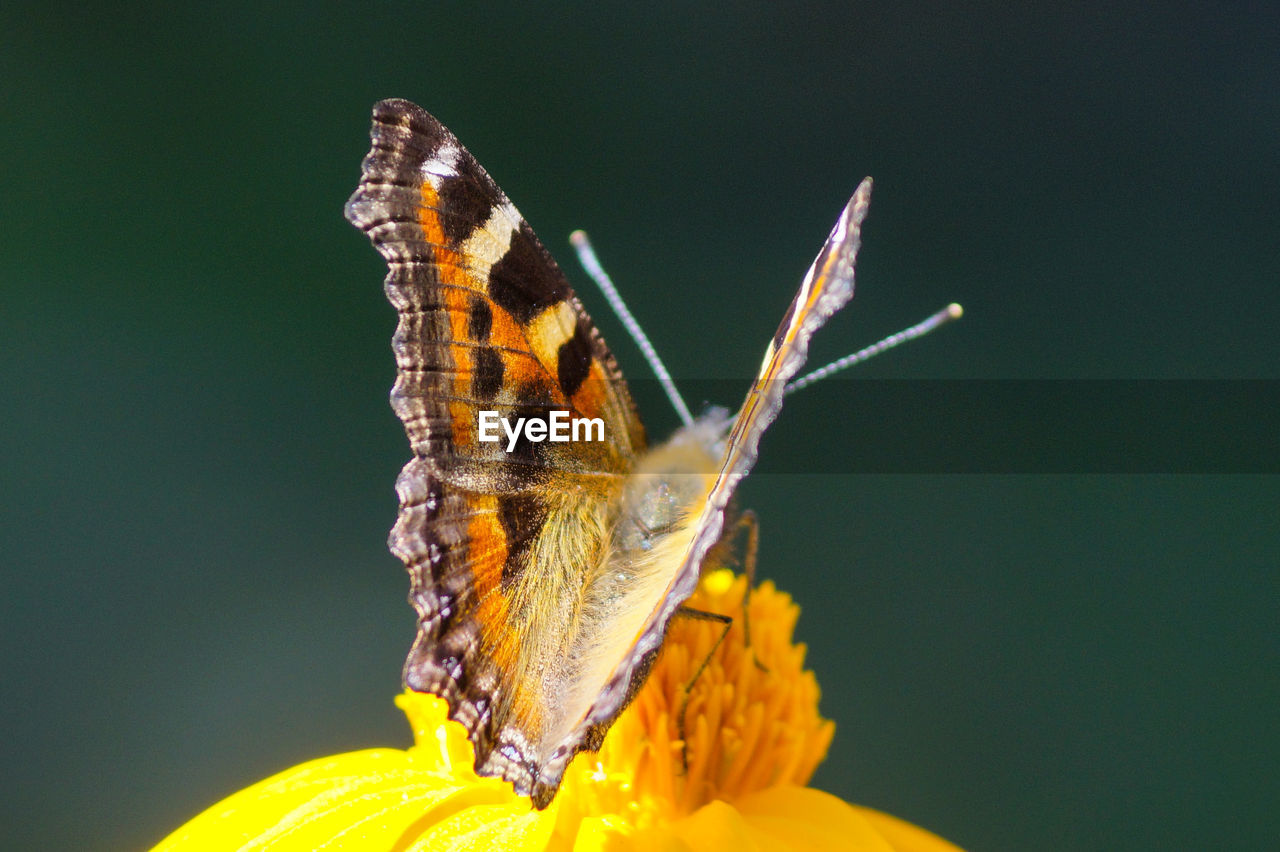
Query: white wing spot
[
  {"x": 487, "y": 244},
  {"x": 444, "y": 164}
]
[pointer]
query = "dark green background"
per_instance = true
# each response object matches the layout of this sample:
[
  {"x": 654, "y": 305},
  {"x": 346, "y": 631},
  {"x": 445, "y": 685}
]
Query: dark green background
[{"x": 197, "y": 452}]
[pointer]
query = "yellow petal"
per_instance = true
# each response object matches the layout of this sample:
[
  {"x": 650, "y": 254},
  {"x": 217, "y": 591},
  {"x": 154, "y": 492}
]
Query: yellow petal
[
  {"x": 718, "y": 825},
  {"x": 443, "y": 744},
  {"x": 375, "y": 799},
  {"x": 608, "y": 834},
  {"x": 505, "y": 826},
  {"x": 904, "y": 836},
  {"x": 805, "y": 819}
]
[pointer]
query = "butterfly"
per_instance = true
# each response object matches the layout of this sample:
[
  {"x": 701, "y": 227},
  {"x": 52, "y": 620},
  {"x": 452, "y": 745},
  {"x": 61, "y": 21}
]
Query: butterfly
[{"x": 544, "y": 573}]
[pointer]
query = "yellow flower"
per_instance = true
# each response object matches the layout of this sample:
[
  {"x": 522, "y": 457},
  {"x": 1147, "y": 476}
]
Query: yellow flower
[{"x": 754, "y": 739}]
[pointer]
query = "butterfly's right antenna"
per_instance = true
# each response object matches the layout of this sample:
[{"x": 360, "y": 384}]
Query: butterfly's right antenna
[
  {"x": 947, "y": 314},
  {"x": 587, "y": 257}
]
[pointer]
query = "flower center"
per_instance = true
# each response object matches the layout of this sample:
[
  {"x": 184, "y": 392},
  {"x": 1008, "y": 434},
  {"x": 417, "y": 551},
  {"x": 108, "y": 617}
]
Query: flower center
[{"x": 717, "y": 718}]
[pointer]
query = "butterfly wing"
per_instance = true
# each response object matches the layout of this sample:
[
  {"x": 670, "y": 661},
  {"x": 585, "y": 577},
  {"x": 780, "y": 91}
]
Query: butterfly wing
[
  {"x": 496, "y": 542},
  {"x": 826, "y": 288}
]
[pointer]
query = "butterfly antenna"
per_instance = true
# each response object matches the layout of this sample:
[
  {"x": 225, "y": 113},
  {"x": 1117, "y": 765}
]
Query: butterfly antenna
[
  {"x": 587, "y": 257},
  {"x": 942, "y": 317}
]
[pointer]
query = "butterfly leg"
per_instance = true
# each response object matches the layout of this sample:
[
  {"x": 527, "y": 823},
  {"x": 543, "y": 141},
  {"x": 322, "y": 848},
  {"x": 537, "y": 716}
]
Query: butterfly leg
[
  {"x": 749, "y": 523},
  {"x": 700, "y": 615}
]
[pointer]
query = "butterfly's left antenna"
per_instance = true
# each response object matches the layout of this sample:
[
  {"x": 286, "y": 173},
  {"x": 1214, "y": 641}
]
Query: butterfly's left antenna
[{"x": 587, "y": 257}]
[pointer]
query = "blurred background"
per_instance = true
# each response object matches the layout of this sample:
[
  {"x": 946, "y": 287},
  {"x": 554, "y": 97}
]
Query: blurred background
[{"x": 198, "y": 455}]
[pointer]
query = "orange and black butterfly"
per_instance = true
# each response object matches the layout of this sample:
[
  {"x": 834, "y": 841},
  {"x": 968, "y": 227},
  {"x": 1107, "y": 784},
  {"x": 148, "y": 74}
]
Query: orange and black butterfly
[{"x": 544, "y": 573}]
